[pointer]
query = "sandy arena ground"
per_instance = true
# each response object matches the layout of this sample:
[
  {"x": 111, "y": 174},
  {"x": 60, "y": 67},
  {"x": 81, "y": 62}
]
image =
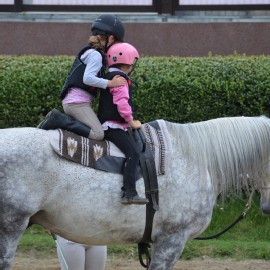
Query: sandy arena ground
[{"x": 22, "y": 263}]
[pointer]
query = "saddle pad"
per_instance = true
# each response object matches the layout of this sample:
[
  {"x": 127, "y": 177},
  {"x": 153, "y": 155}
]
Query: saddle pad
[{"x": 104, "y": 155}]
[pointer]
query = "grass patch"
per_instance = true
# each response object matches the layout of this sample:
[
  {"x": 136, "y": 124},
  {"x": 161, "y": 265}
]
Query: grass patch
[
  {"x": 239, "y": 250},
  {"x": 37, "y": 242}
]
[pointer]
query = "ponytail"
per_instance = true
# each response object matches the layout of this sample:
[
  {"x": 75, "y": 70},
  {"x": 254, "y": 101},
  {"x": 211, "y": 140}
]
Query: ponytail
[{"x": 95, "y": 42}]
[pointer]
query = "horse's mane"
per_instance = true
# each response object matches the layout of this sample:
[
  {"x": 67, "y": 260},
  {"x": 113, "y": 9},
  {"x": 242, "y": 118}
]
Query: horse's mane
[{"x": 234, "y": 149}]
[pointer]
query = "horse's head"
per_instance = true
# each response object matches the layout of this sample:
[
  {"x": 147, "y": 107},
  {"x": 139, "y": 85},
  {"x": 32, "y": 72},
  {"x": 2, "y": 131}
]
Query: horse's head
[{"x": 264, "y": 189}]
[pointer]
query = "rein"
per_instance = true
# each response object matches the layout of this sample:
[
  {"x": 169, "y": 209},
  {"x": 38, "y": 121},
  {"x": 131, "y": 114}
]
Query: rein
[{"x": 240, "y": 217}]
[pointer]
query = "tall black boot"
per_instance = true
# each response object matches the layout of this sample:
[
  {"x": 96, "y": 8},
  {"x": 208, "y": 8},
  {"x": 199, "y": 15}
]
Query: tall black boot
[
  {"x": 129, "y": 194},
  {"x": 55, "y": 119}
]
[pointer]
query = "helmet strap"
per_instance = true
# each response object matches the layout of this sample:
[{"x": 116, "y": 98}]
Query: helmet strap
[{"x": 133, "y": 66}]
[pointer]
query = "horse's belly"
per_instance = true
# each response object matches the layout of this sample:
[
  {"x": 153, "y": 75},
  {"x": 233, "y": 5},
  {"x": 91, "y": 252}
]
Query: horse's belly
[{"x": 86, "y": 207}]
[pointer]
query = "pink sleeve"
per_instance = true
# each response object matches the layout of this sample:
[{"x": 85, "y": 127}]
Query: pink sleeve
[{"x": 120, "y": 99}]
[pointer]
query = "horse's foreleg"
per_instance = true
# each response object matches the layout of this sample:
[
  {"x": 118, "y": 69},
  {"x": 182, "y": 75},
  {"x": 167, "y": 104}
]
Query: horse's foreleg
[
  {"x": 166, "y": 251},
  {"x": 10, "y": 231}
]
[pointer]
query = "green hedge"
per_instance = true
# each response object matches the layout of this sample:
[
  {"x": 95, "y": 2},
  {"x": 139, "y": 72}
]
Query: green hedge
[{"x": 172, "y": 88}]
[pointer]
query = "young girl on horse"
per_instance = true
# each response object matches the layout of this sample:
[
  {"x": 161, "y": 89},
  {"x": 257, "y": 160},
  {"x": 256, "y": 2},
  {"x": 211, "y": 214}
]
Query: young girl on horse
[
  {"x": 85, "y": 77},
  {"x": 116, "y": 115}
]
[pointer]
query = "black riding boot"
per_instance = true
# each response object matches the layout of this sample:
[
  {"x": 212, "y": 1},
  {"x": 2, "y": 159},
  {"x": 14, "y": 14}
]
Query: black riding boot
[
  {"x": 129, "y": 194},
  {"x": 56, "y": 119}
]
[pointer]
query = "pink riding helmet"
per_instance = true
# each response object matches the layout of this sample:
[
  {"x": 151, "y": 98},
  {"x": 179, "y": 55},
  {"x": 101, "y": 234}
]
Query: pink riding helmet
[{"x": 122, "y": 53}]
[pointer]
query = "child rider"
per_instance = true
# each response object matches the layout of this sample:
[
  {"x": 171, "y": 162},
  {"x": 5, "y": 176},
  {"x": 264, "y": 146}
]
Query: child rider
[{"x": 116, "y": 116}]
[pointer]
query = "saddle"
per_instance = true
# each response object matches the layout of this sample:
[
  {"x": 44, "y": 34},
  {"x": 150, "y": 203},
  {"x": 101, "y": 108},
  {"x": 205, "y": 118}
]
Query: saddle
[{"x": 105, "y": 156}]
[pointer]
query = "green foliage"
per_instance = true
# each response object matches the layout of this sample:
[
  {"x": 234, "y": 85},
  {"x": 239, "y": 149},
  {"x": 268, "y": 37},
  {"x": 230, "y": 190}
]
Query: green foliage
[
  {"x": 37, "y": 242},
  {"x": 30, "y": 87},
  {"x": 239, "y": 250},
  {"x": 196, "y": 89},
  {"x": 171, "y": 88}
]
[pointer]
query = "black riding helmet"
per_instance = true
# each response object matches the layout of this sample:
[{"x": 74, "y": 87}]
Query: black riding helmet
[{"x": 108, "y": 24}]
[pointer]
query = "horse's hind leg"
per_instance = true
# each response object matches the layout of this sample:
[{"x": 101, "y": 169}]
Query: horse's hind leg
[
  {"x": 11, "y": 229},
  {"x": 166, "y": 251}
]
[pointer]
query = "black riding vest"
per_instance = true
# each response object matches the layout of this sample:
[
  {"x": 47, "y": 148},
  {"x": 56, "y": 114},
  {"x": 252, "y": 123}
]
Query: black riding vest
[
  {"x": 75, "y": 76},
  {"x": 107, "y": 110}
]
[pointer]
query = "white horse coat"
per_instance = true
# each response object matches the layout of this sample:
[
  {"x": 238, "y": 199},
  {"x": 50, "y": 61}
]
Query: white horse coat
[{"x": 84, "y": 205}]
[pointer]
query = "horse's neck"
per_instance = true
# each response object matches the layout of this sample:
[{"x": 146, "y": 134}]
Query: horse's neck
[{"x": 234, "y": 150}]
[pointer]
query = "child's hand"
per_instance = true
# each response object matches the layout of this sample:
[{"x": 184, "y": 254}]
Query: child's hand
[
  {"x": 117, "y": 81},
  {"x": 135, "y": 124}
]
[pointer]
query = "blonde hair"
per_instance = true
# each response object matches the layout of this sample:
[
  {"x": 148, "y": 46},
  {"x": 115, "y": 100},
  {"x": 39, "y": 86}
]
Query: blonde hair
[{"x": 95, "y": 42}]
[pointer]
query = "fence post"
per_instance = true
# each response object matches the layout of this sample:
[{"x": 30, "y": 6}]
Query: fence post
[
  {"x": 18, "y": 5},
  {"x": 167, "y": 6}
]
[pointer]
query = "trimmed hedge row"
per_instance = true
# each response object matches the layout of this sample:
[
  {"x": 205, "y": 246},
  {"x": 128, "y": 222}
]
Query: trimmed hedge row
[
  {"x": 30, "y": 87},
  {"x": 172, "y": 88}
]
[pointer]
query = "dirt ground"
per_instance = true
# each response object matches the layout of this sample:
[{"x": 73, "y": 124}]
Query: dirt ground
[{"x": 22, "y": 263}]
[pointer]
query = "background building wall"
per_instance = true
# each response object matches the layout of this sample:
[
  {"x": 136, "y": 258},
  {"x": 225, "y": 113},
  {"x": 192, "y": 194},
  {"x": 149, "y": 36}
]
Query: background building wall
[{"x": 151, "y": 38}]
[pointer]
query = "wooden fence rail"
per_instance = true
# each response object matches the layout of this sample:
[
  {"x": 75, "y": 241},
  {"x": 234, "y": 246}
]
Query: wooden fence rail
[{"x": 143, "y": 6}]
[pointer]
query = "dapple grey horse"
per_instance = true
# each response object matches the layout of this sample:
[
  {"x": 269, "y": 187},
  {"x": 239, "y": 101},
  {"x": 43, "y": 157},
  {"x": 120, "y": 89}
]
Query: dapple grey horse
[{"x": 208, "y": 159}]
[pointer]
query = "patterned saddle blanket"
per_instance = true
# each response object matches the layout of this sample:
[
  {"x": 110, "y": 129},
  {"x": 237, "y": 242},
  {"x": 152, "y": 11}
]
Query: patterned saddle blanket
[{"x": 104, "y": 155}]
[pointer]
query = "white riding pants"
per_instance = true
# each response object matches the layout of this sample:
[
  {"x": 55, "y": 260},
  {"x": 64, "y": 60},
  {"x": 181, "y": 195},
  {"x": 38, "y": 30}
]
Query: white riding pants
[{"x": 81, "y": 257}]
